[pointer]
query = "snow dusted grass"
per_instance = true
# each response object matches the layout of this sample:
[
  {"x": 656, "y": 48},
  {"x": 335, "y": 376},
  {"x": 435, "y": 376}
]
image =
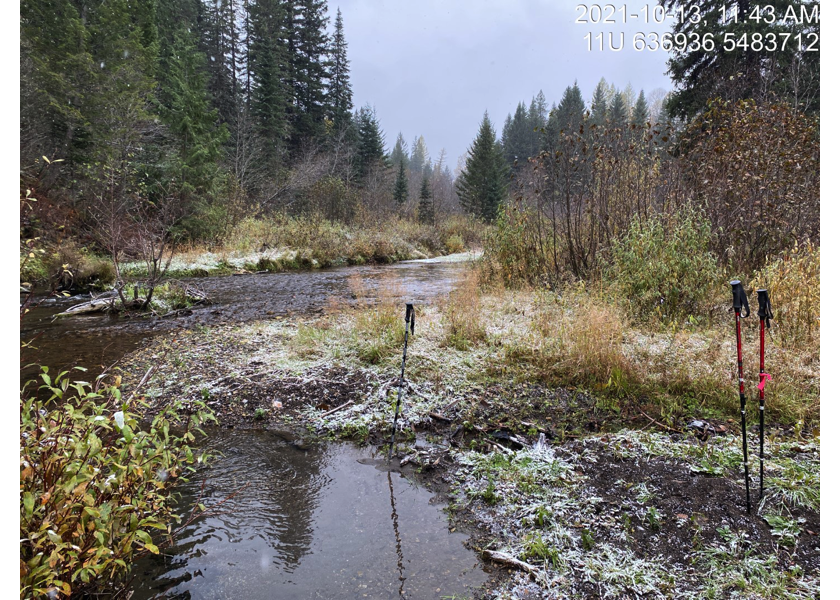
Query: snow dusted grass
[
  {"x": 538, "y": 503},
  {"x": 539, "y": 509},
  {"x": 539, "y": 513}
]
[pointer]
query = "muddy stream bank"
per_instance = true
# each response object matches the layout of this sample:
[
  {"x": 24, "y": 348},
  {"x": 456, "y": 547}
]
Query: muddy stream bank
[{"x": 95, "y": 341}]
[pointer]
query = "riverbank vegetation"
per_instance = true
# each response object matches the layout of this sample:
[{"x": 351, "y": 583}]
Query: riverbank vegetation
[
  {"x": 95, "y": 484},
  {"x": 198, "y": 144}
]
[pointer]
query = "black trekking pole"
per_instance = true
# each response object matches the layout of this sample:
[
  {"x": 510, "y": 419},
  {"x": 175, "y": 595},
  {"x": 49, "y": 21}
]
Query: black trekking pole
[
  {"x": 739, "y": 300},
  {"x": 765, "y": 313},
  {"x": 409, "y": 317}
]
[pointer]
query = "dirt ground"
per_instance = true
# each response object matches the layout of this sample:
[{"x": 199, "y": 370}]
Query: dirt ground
[{"x": 636, "y": 501}]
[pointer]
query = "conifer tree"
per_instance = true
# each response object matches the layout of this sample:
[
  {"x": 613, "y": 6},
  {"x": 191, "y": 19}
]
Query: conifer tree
[
  {"x": 56, "y": 70},
  {"x": 537, "y": 119},
  {"x": 339, "y": 91},
  {"x": 219, "y": 41},
  {"x": 400, "y": 152},
  {"x": 185, "y": 108},
  {"x": 425, "y": 208},
  {"x": 518, "y": 142},
  {"x": 618, "y": 111},
  {"x": 401, "y": 186},
  {"x": 482, "y": 185},
  {"x": 269, "y": 62},
  {"x": 640, "y": 111},
  {"x": 371, "y": 150},
  {"x": 419, "y": 155},
  {"x": 572, "y": 109},
  {"x": 599, "y": 106},
  {"x": 309, "y": 74}
]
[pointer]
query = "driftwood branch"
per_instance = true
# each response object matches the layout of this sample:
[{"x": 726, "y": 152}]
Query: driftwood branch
[
  {"x": 337, "y": 408},
  {"x": 512, "y": 561}
]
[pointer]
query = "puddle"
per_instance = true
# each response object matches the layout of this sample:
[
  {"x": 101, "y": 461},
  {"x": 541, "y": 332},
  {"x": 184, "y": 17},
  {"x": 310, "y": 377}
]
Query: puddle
[{"x": 325, "y": 521}]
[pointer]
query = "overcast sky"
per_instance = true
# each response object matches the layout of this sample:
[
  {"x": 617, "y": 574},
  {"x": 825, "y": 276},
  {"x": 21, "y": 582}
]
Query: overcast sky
[{"x": 432, "y": 67}]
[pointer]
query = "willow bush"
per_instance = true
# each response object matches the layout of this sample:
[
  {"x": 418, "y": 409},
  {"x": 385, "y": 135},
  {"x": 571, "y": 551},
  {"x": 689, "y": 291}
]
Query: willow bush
[
  {"x": 663, "y": 266},
  {"x": 94, "y": 484}
]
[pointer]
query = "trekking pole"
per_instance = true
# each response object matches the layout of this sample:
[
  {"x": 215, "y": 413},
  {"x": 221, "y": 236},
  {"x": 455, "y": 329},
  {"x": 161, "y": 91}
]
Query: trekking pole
[
  {"x": 739, "y": 300},
  {"x": 765, "y": 313},
  {"x": 409, "y": 317}
]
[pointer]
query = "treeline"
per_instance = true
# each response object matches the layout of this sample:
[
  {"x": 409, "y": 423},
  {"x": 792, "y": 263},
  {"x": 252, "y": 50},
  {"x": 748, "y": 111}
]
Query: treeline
[
  {"x": 198, "y": 113},
  {"x": 493, "y": 165},
  {"x": 565, "y": 188}
]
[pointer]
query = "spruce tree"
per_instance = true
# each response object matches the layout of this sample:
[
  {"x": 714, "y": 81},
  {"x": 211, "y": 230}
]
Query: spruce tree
[
  {"x": 339, "y": 92},
  {"x": 309, "y": 76},
  {"x": 599, "y": 106},
  {"x": 401, "y": 186},
  {"x": 371, "y": 149},
  {"x": 572, "y": 109},
  {"x": 537, "y": 119},
  {"x": 185, "y": 108},
  {"x": 419, "y": 155},
  {"x": 219, "y": 42},
  {"x": 425, "y": 208},
  {"x": 482, "y": 185},
  {"x": 640, "y": 111},
  {"x": 518, "y": 142},
  {"x": 400, "y": 152},
  {"x": 618, "y": 111},
  {"x": 57, "y": 70},
  {"x": 269, "y": 63}
]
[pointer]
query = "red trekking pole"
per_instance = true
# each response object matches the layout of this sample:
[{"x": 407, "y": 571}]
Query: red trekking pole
[
  {"x": 739, "y": 300},
  {"x": 765, "y": 313}
]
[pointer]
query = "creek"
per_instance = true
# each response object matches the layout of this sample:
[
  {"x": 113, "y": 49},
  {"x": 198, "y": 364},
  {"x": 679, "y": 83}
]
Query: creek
[{"x": 325, "y": 520}]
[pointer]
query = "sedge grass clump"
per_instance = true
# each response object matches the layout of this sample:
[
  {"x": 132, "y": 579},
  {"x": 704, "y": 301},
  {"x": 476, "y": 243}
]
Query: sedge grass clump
[
  {"x": 663, "y": 266},
  {"x": 794, "y": 284},
  {"x": 463, "y": 317},
  {"x": 379, "y": 328},
  {"x": 574, "y": 338}
]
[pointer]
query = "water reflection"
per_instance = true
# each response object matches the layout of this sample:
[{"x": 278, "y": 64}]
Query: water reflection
[{"x": 313, "y": 523}]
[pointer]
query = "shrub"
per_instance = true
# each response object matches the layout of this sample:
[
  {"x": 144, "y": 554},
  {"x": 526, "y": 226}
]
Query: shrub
[
  {"x": 454, "y": 243},
  {"x": 663, "y": 267},
  {"x": 509, "y": 254},
  {"x": 755, "y": 169},
  {"x": 93, "y": 484},
  {"x": 793, "y": 281}
]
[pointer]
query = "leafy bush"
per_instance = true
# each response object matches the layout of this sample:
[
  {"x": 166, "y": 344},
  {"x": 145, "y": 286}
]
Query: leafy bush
[
  {"x": 663, "y": 266},
  {"x": 509, "y": 254},
  {"x": 94, "y": 485},
  {"x": 454, "y": 244},
  {"x": 793, "y": 281}
]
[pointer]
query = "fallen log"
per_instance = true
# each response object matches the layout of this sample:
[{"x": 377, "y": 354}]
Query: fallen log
[
  {"x": 91, "y": 306},
  {"x": 507, "y": 559}
]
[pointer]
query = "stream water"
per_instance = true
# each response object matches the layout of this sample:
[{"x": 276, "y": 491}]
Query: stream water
[
  {"x": 96, "y": 341},
  {"x": 321, "y": 521}
]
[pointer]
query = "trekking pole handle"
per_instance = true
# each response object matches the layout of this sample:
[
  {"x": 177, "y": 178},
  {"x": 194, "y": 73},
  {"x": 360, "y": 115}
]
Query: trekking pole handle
[
  {"x": 765, "y": 311},
  {"x": 409, "y": 316},
  {"x": 739, "y": 298}
]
